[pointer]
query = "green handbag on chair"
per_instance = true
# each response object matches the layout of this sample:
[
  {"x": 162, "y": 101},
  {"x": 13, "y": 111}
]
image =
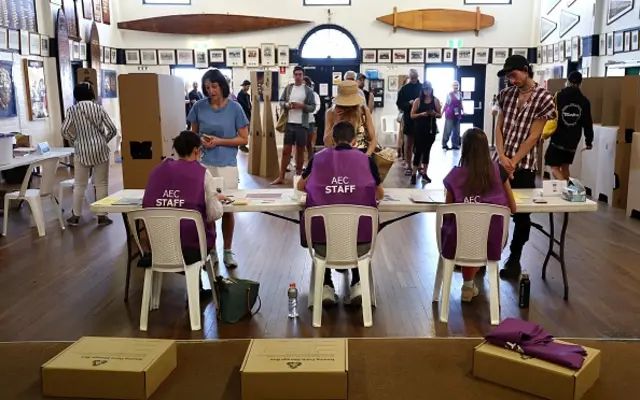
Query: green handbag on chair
[{"x": 236, "y": 298}]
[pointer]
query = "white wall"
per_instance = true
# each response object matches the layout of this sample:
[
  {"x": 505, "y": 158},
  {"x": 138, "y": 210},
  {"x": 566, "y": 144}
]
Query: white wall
[
  {"x": 48, "y": 129},
  {"x": 512, "y": 28}
]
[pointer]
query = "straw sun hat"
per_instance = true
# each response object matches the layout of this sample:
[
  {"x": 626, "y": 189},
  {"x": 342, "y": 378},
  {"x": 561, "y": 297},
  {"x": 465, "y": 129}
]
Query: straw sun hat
[{"x": 348, "y": 94}]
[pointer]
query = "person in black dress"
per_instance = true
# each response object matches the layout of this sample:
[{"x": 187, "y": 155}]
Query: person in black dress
[{"x": 424, "y": 111}]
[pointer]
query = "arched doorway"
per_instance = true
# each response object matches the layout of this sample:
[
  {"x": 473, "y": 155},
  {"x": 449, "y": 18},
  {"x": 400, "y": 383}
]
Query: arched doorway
[{"x": 326, "y": 52}]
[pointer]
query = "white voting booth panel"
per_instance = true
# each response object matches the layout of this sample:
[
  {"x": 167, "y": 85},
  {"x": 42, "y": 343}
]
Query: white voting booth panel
[
  {"x": 589, "y": 167},
  {"x": 576, "y": 167},
  {"x": 633, "y": 199},
  {"x": 606, "y": 144}
]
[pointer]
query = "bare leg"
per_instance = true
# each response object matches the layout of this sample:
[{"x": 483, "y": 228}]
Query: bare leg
[
  {"x": 557, "y": 173},
  {"x": 228, "y": 225},
  {"x": 469, "y": 273},
  {"x": 284, "y": 161},
  {"x": 565, "y": 171},
  {"x": 312, "y": 142},
  {"x": 299, "y": 159},
  {"x": 408, "y": 150}
]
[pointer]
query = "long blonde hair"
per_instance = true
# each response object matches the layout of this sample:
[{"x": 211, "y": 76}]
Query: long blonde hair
[{"x": 351, "y": 114}]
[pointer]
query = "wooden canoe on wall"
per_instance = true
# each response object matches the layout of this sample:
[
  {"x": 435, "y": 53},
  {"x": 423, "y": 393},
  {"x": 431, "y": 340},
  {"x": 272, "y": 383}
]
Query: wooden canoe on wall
[
  {"x": 438, "y": 20},
  {"x": 205, "y": 24}
]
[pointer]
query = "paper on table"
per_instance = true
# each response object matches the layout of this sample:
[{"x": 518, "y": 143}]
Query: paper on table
[
  {"x": 518, "y": 196},
  {"x": 107, "y": 201}
]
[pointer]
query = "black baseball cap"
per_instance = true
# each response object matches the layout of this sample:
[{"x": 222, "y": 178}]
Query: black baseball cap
[
  {"x": 575, "y": 77},
  {"x": 246, "y": 83},
  {"x": 514, "y": 63}
]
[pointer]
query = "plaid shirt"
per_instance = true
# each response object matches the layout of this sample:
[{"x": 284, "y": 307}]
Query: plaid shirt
[{"x": 516, "y": 125}]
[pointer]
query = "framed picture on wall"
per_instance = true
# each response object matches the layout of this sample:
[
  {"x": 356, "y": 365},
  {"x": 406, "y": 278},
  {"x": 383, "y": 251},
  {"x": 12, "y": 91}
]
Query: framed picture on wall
[
  {"x": 101, "y": 54},
  {"x": 618, "y": 8},
  {"x": 539, "y": 55},
  {"x": 114, "y": 56},
  {"x": 416, "y": 56},
  {"x": 465, "y": 56},
  {"x": 4, "y": 38},
  {"x": 481, "y": 55},
  {"x": 563, "y": 50},
  {"x": 434, "y": 56},
  {"x": 575, "y": 48},
  {"x": 618, "y": 42},
  {"x": 97, "y": 10},
  {"x": 147, "y": 57},
  {"x": 75, "y": 51},
  {"x": 627, "y": 41},
  {"x": 34, "y": 44},
  {"x": 252, "y": 56},
  {"x": 634, "y": 41},
  {"x": 216, "y": 56},
  {"x": 556, "y": 52},
  {"x": 36, "y": 89},
  {"x": 609, "y": 44},
  {"x": 499, "y": 55},
  {"x": 520, "y": 52},
  {"x": 371, "y": 56},
  {"x": 107, "y": 54},
  {"x": 235, "y": 56},
  {"x": 447, "y": 55},
  {"x": 13, "y": 39},
  {"x": 392, "y": 83},
  {"x": 83, "y": 51},
  {"x": 384, "y": 56},
  {"x": 549, "y": 53},
  {"x": 166, "y": 57},
  {"x": 268, "y": 51},
  {"x": 8, "y": 107},
  {"x": 44, "y": 46},
  {"x": 283, "y": 56},
  {"x": 24, "y": 42},
  {"x": 132, "y": 56},
  {"x": 399, "y": 56},
  {"x": 185, "y": 57},
  {"x": 201, "y": 60},
  {"x": 602, "y": 47},
  {"x": 87, "y": 9}
]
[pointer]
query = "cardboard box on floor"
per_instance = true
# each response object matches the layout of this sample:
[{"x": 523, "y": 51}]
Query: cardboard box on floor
[
  {"x": 109, "y": 368},
  {"x": 296, "y": 369},
  {"x": 531, "y": 375}
]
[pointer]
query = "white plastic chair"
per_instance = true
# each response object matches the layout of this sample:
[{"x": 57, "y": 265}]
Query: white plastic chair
[
  {"x": 70, "y": 183},
  {"x": 163, "y": 230},
  {"x": 472, "y": 229},
  {"x": 390, "y": 127},
  {"x": 34, "y": 197},
  {"x": 341, "y": 229}
]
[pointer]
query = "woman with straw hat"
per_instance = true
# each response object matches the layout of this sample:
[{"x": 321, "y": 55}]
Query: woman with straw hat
[{"x": 349, "y": 106}]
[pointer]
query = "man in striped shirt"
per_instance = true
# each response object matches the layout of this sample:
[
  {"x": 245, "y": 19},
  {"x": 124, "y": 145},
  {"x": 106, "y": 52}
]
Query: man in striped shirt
[{"x": 524, "y": 109}]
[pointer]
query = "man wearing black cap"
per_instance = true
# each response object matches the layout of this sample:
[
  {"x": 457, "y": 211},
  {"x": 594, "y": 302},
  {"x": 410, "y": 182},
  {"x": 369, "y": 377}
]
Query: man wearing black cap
[
  {"x": 524, "y": 109},
  {"x": 245, "y": 101},
  {"x": 574, "y": 115}
]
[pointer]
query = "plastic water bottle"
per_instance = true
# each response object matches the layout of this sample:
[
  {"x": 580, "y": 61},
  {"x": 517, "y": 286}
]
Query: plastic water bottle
[{"x": 292, "y": 294}]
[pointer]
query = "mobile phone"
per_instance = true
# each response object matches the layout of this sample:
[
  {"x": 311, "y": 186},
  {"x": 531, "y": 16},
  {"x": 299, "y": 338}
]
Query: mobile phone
[{"x": 539, "y": 201}]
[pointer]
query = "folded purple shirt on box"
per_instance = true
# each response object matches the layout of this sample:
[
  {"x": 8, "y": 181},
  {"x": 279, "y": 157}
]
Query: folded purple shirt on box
[{"x": 532, "y": 340}]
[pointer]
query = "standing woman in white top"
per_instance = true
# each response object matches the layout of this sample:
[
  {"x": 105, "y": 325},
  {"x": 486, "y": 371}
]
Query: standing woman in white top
[
  {"x": 313, "y": 128},
  {"x": 89, "y": 129}
]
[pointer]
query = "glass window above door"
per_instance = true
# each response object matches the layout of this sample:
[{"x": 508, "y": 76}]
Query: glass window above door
[
  {"x": 468, "y": 84},
  {"x": 327, "y": 43}
]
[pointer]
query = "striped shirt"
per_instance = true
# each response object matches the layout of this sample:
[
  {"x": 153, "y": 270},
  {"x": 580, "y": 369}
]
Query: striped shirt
[
  {"x": 516, "y": 125},
  {"x": 88, "y": 127}
]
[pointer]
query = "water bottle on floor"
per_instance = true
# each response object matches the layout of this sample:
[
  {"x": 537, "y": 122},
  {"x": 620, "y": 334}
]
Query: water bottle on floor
[{"x": 292, "y": 294}]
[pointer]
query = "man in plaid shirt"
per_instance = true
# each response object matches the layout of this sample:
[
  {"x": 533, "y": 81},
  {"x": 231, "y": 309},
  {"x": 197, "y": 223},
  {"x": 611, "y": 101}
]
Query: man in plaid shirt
[{"x": 524, "y": 109}]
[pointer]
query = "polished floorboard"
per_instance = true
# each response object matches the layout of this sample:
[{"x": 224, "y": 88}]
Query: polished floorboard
[{"x": 71, "y": 283}]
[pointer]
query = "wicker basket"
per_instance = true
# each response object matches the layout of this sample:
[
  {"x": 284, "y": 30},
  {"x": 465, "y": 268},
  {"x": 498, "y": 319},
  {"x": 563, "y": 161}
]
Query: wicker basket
[{"x": 384, "y": 165}]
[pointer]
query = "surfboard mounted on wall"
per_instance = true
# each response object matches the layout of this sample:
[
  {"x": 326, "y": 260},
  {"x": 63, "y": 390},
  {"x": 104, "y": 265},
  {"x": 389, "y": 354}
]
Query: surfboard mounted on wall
[
  {"x": 438, "y": 20},
  {"x": 205, "y": 24}
]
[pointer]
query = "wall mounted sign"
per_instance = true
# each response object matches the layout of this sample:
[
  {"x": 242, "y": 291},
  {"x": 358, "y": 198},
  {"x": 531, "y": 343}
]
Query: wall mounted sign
[
  {"x": 97, "y": 10},
  {"x": 106, "y": 12},
  {"x": 87, "y": 9},
  {"x": 70, "y": 13},
  {"x": 19, "y": 14}
]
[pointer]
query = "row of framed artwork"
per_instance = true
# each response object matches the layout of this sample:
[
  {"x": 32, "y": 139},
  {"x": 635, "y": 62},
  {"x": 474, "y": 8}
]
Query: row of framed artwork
[
  {"x": 93, "y": 10},
  {"x": 25, "y": 42},
  {"x": 35, "y": 89},
  {"x": 619, "y": 42},
  {"x": 565, "y": 49},
  {"x": 462, "y": 56},
  {"x": 267, "y": 55}
]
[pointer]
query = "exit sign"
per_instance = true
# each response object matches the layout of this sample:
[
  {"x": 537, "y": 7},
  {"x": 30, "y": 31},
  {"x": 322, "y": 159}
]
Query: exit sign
[{"x": 454, "y": 43}]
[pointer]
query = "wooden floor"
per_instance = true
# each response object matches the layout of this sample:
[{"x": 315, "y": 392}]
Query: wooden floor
[{"x": 69, "y": 284}]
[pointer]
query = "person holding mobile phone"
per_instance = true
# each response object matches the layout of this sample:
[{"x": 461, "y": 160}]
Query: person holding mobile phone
[{"x": 223, "y": 127}]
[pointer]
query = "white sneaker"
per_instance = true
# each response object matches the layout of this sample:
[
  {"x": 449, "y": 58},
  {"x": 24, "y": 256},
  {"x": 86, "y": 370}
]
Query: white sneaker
[
  {"x": 467, "y": 293},
  {"x": 355, "y": 294},
  {"x": 228, "y": 260},
  {"x": 214, "y": 257},
  {"x": 329, "y": 297}
]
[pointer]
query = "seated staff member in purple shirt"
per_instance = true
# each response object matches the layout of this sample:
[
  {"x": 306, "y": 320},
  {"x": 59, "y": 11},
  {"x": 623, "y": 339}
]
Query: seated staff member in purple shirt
[
  {"x": 341, "y": 175},
  {"x": 185, "y": 183},
  {"x": 524, "y": 109}
]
